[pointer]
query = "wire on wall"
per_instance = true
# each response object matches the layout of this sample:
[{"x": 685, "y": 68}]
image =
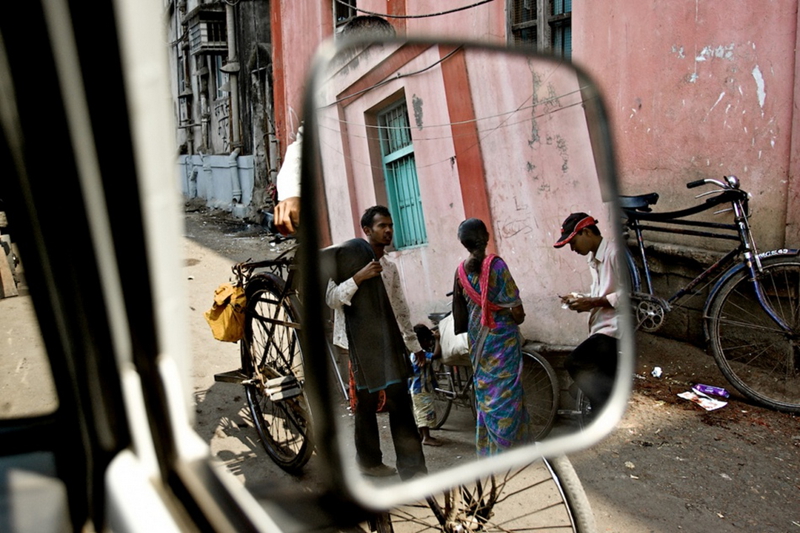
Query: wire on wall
[
  {"x": 393, "y": 78},
  {"x": 388, "y": 16}
]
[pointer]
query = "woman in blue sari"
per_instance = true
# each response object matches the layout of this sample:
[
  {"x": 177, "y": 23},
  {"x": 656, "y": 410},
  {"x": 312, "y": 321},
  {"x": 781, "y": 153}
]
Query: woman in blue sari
[{"x": 487, "y": 305}]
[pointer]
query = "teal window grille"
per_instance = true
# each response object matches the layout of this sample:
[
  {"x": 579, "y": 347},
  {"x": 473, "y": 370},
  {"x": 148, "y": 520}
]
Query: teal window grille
[
  {"x": 524, "y": 21},
  {"x": 400, "y": 171},
  {"x": 562, "y": 28},
  {"x": 545, "y": 24},
  {"x": 562, "y": 6}
]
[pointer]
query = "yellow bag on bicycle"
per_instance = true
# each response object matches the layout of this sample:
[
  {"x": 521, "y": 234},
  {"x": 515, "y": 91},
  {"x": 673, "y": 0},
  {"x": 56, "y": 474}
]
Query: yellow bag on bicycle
[{"x": 226, "y": 316}]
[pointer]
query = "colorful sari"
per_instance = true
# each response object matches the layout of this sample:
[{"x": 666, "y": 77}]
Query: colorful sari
[{"x": 495, "y": 349}]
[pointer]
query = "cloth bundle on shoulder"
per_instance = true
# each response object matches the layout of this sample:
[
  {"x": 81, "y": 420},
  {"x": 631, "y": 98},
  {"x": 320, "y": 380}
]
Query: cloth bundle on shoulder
[
  {"x": 226, "y": 316},
  {"x": 455, "y": 348}
]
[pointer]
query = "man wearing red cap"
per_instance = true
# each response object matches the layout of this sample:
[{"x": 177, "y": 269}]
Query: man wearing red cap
[{"x": 593, "y": 364}]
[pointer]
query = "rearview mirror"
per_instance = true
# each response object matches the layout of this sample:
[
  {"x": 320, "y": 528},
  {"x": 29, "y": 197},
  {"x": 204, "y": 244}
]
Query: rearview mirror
[{"x": 439, "y": 133}]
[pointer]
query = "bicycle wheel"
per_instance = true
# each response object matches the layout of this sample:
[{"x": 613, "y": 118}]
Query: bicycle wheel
[
  {"x": 271, "y": 357},
  {"x": 760, "y": 359},
  {"x": 380, "y": 523},
  {"x": 584, "y": 408},
  {"x": 545, "y": 495},
  {"x": 540, "y": 383},
  {"x": 443, "y": 392}
]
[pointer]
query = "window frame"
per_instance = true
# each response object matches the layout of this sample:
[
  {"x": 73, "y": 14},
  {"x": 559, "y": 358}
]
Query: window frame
[
  {"x": 343, "y": 5},
  {"x": 409, "y": 220},
  {"x": 545, "y": 25},
  {"x": 220, "y": 76}
]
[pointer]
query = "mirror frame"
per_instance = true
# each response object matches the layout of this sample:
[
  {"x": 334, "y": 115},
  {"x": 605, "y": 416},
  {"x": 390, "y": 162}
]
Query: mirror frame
[{"x": 329, "y": 439}]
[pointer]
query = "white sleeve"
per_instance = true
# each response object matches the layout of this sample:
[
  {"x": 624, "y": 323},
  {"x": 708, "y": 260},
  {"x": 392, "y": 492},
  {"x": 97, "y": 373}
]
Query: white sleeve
[
  {"x": 288, "y": 180},
  {"x": 397, "y": 297},
  {"x": 337, "y": 296}
]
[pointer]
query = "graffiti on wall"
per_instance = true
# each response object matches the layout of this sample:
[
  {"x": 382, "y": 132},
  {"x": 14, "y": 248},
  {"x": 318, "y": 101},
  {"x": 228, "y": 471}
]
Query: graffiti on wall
[{"x": 221, "y": 112}]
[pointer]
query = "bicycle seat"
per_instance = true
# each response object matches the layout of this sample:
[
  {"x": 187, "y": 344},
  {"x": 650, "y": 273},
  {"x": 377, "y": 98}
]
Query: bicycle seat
[
  {"x": 437, "y": 317},
  {"x": 640, "y": 202}
]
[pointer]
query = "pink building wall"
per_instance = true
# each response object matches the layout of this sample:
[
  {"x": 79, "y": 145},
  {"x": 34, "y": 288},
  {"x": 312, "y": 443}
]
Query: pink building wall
[
  {"x": 300, "y": 26},
  {"x": 532, "y": 167},
  {"x": 694, "y": 89},
  {"x": 700, "y": 89}
]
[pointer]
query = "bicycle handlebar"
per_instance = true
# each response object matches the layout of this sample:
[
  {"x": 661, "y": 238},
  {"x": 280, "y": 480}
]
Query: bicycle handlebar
[{"x": 731, "y": 182}]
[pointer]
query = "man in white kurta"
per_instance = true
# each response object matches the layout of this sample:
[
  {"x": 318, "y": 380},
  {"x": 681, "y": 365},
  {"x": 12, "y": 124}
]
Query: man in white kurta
[{"x": 373, "y": 322}]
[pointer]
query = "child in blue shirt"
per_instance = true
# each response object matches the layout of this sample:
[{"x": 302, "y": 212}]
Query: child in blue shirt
[{"x": 420, "y": 385}]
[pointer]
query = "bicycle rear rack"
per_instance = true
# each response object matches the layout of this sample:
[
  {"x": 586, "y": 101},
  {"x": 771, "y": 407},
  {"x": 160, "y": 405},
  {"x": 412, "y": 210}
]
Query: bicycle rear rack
[
  {"x": 280, "y": 388},
  {"x": 233, "y": 376}
]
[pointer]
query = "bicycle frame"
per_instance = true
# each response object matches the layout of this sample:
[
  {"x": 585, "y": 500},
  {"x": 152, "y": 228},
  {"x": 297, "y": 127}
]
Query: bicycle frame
[
  {"x": 459, "y": 385},
  {"x": 743, "y": 235},
  {"x": 282, "y": 266},
  {"x": 279, "y": 266}
]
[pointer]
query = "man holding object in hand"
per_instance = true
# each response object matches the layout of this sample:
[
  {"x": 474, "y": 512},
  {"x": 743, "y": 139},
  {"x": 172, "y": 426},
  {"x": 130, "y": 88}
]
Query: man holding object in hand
[{"x": 593, "y": 364}]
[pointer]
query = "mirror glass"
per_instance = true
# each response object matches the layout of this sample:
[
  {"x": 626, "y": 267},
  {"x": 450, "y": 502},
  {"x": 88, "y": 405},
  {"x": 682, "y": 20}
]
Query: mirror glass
[{"x": 437, "y": 134}]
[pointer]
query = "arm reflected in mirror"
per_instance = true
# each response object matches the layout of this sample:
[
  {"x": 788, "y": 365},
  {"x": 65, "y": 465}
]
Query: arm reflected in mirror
[{"x": 287, "y": 211}]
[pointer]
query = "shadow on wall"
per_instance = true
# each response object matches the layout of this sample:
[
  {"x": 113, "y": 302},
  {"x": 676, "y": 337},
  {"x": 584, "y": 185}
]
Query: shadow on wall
[{"x": 224, "y": 181}]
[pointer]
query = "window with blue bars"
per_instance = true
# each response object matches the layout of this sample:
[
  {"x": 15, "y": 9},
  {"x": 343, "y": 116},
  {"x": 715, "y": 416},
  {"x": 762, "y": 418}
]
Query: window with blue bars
[
  {"x": 561, "y": 36},
  {"x": 545, "y": 24},
  {"x": 400, "y": 171},
  {"x": 343, "y": 12},
  {"x": 562, "y": 6}
]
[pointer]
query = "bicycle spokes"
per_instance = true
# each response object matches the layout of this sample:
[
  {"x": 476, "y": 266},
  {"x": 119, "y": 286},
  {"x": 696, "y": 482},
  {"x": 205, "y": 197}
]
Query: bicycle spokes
[
  {"x": 271, "y": 354},
  {"x": 754, "y": 333},
  {"x": 525, "y": 499}
]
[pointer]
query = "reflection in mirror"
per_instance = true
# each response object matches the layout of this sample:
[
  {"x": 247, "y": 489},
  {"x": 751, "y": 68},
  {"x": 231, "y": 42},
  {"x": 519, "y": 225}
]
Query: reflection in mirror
[{"x": 439, "y": 134}]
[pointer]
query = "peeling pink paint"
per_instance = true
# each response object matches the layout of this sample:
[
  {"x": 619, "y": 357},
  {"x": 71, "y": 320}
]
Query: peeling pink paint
[
  {"x": 762, "y": 95},
  {"x": 718, "y": 91}
]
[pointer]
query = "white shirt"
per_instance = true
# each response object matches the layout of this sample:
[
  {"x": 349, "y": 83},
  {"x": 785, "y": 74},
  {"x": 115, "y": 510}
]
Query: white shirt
[
  {"x": 337, "y": 296},
  {"x": 602, "y": 266},
  {"x": 288, "y": 180}
]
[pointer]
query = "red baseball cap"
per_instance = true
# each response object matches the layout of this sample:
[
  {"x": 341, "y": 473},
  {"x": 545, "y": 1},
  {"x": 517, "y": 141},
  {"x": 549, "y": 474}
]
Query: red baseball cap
[{"x": 572, "y": 225}]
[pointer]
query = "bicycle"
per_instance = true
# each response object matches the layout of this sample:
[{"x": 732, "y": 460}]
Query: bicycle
[
  {"x": 752, "y": 312},
  {"x": 454, "y": 385},
  {"x": 272, "y": 360},
  {"x": 545, "y": 495}
]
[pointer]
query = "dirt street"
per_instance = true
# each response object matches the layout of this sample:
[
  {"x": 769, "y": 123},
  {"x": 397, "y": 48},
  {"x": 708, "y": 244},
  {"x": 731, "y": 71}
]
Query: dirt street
[
  {"x": 671, "y": 466},
  {"x": 668, "y": 466}
]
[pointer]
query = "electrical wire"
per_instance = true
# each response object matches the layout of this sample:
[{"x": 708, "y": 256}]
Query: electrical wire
[
  {"x": 397, "y": 76},
  {"x": 504, "y": 124},
  {"x": 523, "y": 107},
  {"x": 386, "y": 15},
  {"x": 447, "y": 159}
]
